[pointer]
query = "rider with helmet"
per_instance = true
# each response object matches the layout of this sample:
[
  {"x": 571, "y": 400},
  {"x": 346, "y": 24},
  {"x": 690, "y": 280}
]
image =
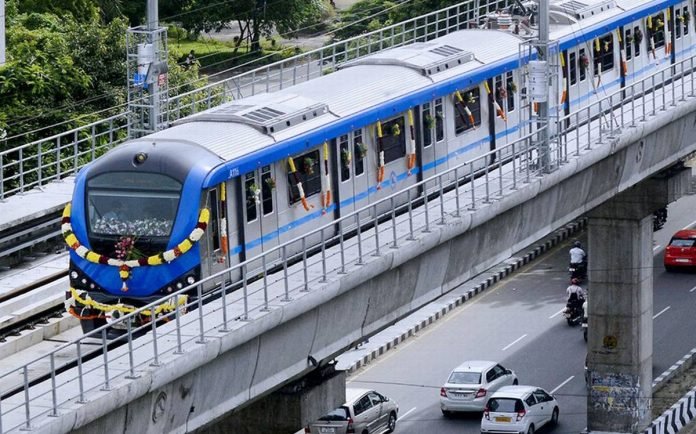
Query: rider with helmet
[{"x": 578, "y": 260}]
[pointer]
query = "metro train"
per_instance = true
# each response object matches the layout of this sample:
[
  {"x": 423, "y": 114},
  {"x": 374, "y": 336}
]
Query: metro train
[{"x": 163, "y": 211}]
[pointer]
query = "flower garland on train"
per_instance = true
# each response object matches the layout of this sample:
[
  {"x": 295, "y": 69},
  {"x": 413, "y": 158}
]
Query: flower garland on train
[{"x": 125, "y": 266}]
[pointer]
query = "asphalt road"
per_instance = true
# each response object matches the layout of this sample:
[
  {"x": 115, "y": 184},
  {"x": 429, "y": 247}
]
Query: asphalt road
[{"x": 519, "y": 324}]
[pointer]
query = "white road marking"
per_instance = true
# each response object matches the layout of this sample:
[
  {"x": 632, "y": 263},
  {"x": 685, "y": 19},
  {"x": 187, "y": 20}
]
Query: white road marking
[
  {"x": 516, "y": 341},
  {"x": 656, "y": 247},
  {"x": 557, "y": 313},
  {"x": 407, "y": 413},
  {"x": 661, "y": 312},
  {"x": 562, "y": 384},
  {"x": 693, "y": 289}
]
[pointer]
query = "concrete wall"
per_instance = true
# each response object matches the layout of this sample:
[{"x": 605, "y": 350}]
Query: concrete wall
[{"x": 230, "y": 370}]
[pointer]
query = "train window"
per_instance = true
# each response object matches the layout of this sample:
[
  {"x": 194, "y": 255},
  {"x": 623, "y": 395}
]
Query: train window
[
  {"x": 583, "y": 63},
  {"x": 511, "y": 89},
  {"x": 309, "y": 173},
  {"x": 267, "y": 186},
  {"x": 573, "y": 67},
  {"x": 657, "y": 31},
  {"x": 472, "y": 102},
  {"x": 684, "y": 19},
  {"x": 678, "y": 27},
  {"x": 393, "y": 140},
  {"x": 251, "y": 192},
  {"x": 604, "y": 54},
  {"x": 439, "y": 121},
  {"x": 345, "y": 157},
  {"x": 637, "y": 39},
  {"x": 627, "y": 44},
  {"x": 138, "y": 204},
  {"x": 360, "y": 152},
  {"x": 428, "y": 124}
]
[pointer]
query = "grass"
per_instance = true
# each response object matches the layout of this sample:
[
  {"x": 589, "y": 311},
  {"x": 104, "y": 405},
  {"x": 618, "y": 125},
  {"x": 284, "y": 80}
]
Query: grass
[{"x": 214, "y": 55}]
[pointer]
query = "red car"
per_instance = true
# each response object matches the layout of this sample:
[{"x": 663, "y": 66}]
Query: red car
[{"x": 681, "y": 251}]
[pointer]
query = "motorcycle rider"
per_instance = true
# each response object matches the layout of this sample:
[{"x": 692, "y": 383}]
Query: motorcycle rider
[
  {"x": 578, "y": 260},
  {"x": 576, "y": 295}
]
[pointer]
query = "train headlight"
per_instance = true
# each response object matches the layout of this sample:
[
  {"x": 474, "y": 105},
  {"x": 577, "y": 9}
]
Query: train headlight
[
  {"x": 190, "y": 280},
  {"x": 179, "y": 285},
  {"x": 73, "y": 274},
  {"x": 139, "y": 158},
  {"x": 84, "y": 281}
]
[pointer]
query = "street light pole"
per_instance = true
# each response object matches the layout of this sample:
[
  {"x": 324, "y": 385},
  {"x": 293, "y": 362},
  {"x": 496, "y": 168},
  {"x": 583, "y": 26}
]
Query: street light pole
[
  {"x": 152, "y": 25},
  {"x": 2, "y": 32},
  {"x": 543, "y": 47}
]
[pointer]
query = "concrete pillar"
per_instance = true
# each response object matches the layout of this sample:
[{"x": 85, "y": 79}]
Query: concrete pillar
[
  {"x": 289, "y": 409},
  {"x": 620, "y": 299}
]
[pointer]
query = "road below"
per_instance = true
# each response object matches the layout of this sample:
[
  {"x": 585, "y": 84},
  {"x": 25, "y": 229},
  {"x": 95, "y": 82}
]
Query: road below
[{"x": 519, "y": 323}]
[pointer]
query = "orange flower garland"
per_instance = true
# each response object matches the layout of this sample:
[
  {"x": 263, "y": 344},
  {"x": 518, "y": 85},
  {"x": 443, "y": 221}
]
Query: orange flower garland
[{"x": 124, "y": 267}]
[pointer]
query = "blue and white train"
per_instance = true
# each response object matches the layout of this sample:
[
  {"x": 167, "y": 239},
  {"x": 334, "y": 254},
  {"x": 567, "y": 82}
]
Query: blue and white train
[{"x": 163, "y": 211}]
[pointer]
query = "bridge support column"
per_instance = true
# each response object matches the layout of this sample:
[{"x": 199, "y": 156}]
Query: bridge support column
[
  {"x": 620, "y": 340},
  {"x": 289, "y": 409}
]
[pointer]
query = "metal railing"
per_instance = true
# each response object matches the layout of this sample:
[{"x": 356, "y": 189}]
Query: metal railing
[
  {"x": 345, "y": 245},
  {"x": 324, "y": 60},
  {"x": 42, "y": 161},
  {"x": 35, "y": 164}
]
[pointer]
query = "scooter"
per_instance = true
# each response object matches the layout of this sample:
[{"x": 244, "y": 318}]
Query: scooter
[
  {"x": 573, "y": 313},
  {"x": 578, "y": 271},
  {"x": 584, "y": 320}
]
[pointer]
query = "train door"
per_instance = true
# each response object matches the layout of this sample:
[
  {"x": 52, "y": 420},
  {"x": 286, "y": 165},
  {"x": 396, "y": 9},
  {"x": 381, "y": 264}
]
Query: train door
[
  {"x": 213, "y": 258},
  {"x": 659, "y": 40},
  {"x": 260, "y": 214},
  {"x": 352, "y": 183},
  {"x": 682, "y": 35},
  {"x": 433, "y": 149},
  {"x": 507, "y": 118},
  {"x": 636, "y": 56},
  {"x": 580, "y": 85}
]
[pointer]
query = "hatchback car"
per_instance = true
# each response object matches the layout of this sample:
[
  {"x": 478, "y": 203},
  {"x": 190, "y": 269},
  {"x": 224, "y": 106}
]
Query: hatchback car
[
  {"x": 519, "y": 409},
  {"x": 365, "y": 411},
  {"x": 681, "y": 250},
  {"x": 470, "y": 384}
]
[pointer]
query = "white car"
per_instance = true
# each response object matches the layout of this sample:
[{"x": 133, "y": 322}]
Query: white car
[
  {"x": 519, "y": 409},
  {"x": 470, "y": 385},
  {"x": 365, "y": 411}
]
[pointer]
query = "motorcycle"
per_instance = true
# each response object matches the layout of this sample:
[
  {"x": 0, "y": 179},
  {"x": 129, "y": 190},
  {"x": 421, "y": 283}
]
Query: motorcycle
[
  {"x": 574, "y": 312},
  {"x": 578, "y": 271}
]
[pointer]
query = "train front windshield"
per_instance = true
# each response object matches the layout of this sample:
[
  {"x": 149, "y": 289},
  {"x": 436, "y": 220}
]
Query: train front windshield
[{"x": 132, "y": 204}]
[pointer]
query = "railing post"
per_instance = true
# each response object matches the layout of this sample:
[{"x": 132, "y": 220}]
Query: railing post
[
  {"x": 199, "y": 294},
  {"x": 472, "y": 185},
  {"x": 456, "y": 192},
  {"x": 223, "y": 297},
  {"x": 342, "y": 247},
  {"x": 177, "y": 317},
  {"x": 410, "y": 215},
  {"x": 105, "y": 353},
  {"x": 425, "y": 208},
  {"x": 80, "y": 380},
  {"x": 153, "y": 322},
  {"x": 285, "y": 275},
  {"x": 304, "y": 268},
  {"x": 323, "y": 258},
  {"x": 442, "y": 200},
  {"x": 54, "y": 395},
  {"x": 376, "y": 225},
  {"x": 245, "y": 293},
  {"x": 131, "y": 363},
  {"x": 395, "y": 245},
  {"x": 27, "y": 413},
  {"x": 359, "y": 233}
]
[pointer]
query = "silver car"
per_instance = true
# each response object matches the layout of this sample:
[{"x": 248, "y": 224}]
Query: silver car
[
  {"x": 365, "y": 411},
  {"x": 470, "y": 384}
]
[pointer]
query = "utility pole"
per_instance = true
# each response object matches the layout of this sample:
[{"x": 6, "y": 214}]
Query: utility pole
[
  {"x": 2, "y": 32},
  {"x": 147, "y": 75},
  {"x": 544, "y": 105}
]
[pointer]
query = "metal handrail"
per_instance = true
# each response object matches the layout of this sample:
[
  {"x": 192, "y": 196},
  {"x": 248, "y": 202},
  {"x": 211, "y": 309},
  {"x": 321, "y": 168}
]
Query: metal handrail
[{"x": 17, "y": 177}]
